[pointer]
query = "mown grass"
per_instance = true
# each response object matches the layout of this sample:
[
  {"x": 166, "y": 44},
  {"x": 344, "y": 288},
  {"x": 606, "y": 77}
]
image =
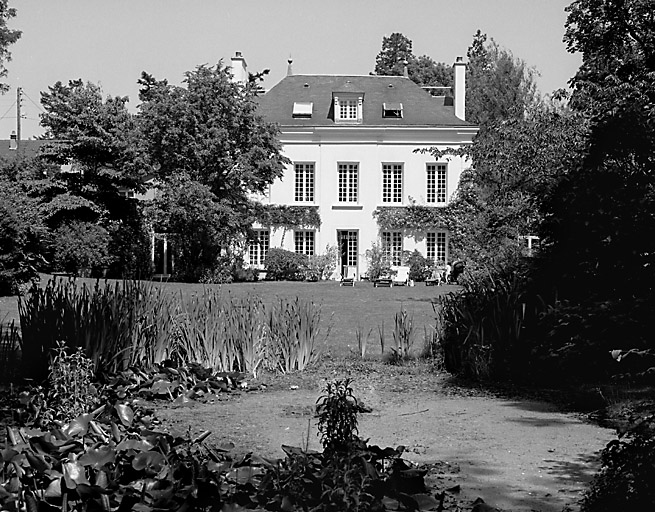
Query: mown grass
[{"x": 344, "y": 310}]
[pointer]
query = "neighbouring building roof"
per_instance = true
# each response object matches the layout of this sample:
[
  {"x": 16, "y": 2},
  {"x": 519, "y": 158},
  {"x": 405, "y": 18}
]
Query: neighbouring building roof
[
  {"x": 28, "y": 148},
  {"x": 419, "y": 108}
]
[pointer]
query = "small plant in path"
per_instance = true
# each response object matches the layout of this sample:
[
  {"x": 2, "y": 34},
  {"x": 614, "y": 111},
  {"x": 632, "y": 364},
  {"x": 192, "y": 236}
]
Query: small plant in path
[{"x": 337, "y": 416}]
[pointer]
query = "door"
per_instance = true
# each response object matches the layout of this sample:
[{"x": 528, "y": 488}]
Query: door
[{"x": 348, "y": 252}]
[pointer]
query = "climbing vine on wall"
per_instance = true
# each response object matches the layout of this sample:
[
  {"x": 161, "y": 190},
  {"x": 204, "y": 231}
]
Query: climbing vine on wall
[
  {"x": 288, "y": 217},
  {"x": 415, "y": 217}
]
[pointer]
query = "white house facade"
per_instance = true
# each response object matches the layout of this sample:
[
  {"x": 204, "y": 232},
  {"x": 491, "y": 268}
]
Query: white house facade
[{"x": 354, "y": 145}]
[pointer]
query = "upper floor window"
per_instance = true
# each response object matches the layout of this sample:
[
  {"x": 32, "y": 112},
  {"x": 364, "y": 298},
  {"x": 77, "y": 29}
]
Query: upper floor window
[
  {"x": 436, "y": 183},
  {"x": 304, "y": 242},
  {"x": 304, "y": 182},
  {"x": 348, "y": 182},
  {"x": 303, "y": 109},
  {"x": 392, "y": 110},
  {"x": 392, "y": 183},
  {"x": 258, "y": 249},
  {"x": 392, "y": 246},
  {"x": 348, "y": 108}
]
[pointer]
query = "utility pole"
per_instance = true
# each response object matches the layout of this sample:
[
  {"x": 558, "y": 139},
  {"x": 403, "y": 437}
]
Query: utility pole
[{"x": 18, "y": 102}]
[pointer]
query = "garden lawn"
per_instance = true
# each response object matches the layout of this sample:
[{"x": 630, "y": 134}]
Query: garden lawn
[{"x": 344, "y": 310}]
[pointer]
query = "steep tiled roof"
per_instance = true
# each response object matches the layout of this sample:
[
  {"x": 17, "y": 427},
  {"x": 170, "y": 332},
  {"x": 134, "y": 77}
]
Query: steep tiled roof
[
  {"x": 419, "y": 108},
  {"x": 28, "y": 148}
]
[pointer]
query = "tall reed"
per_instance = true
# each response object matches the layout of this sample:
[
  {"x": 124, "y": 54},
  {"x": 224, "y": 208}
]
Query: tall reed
[
  {"x": 9, "y": 351},
  {"x": 116, "y": 326},
  {"x": 293, "y": 328}
]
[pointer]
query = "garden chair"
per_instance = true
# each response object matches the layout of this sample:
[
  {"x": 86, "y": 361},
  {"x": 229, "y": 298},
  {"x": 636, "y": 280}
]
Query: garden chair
[
  {"x": 401, "y": 277},
  {"x": 349, "y": 278}
]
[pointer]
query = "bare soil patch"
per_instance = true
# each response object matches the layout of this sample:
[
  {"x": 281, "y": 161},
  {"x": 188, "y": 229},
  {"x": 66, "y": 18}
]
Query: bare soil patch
[{"x": 516, "y": 454}]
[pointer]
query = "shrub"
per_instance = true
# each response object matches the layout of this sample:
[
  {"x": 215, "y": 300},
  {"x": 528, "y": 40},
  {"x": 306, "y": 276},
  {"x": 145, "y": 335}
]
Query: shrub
[
  {"x": 481, "y": 326},
  {"x": 626, "y": 480},
  {"x": 321, "y": 266},
  {"x": 378, "y": 262},
  {"x": 81, "y": 248},
  {"x": 419, "y": 268},
  {"x": 22, "y": 235},
  {"x": 281, "y": 264},
  {"x": 9, "y": 351}
]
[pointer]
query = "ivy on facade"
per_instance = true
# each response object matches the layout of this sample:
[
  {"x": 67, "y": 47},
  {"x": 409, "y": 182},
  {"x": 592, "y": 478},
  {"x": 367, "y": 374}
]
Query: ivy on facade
[
  {"x": 414, "y": 217},
  {"x": 288, "y": 217}
]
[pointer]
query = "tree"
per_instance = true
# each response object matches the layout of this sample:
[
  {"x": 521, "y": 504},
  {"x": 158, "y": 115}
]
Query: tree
[
  {"x": 7, "y": 38},
  {"x": 397, "y": 50},
  {"x": 208, "y": 134},
  {"x": 601, "y": 220},
  {"x": 498, "y": 85},
  {"x": 96, "y": 137}
]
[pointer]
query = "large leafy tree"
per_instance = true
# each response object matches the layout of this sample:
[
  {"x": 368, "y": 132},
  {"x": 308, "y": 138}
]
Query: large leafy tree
[
  {"x": 397, "y": 52},
  {"x": 499, "y": 86},
  {"x": 95, "y": 140},
  {"x": 601, "y": 220},
  {"x": 208, "y": 134}
]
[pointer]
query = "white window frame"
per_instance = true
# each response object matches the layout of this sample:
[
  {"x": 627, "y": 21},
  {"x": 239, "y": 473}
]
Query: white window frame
[
  {"x": 302, "y": 109},
  {"x": 436, "y": 188},
  {"x": 348, "y": 182},
  {"x": 392, "y": 182},
  {"x": 436, "y": 250},
  {"x": 258, "y": 249},
  {"x": 304, "y": 182},
  {"x": 305, "y": 242},
  {"x": 348, "y": 108},
  {"x": 392, "y": 246}
]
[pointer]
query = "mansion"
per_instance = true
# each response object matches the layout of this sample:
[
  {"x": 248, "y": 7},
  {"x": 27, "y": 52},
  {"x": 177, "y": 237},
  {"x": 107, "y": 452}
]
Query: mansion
[{"x": 355, "y": 144}]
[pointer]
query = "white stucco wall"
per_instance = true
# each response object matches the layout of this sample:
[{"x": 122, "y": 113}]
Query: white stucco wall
[{"x": 370, "y": 148}]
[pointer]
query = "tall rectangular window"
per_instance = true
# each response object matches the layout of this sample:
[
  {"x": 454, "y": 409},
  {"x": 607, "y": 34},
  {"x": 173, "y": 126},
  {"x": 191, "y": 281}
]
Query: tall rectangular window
[
  {"x": 392, "y": 245},
  {"x": 348, "y": 182},
  {"x": 304, "y": 242},
  {"x": 392, "y": 183},
  {"x": 436, "y": 250},
  {"x": 304, "y": 184},
  {"x": 258, "y": 249},
  {"x": 436, "y": 183}
]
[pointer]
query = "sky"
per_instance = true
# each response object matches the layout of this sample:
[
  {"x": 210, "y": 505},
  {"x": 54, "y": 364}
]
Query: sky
[{"x": 110, "y": 42}]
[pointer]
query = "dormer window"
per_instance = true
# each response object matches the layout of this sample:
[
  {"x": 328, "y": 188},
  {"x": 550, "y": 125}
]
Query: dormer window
[
  {"x": 303, "y": 109},
  {"x": 348, "y": 108},
  {"x": 392, "y": 110}
]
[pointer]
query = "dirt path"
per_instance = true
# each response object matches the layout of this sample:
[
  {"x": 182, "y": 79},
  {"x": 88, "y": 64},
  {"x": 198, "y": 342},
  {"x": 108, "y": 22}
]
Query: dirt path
[{"x": 516, "y": 455}]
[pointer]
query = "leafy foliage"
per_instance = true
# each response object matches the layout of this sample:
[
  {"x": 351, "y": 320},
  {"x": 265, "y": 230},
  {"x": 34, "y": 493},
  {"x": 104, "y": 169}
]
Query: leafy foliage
[
  {"x": 626, "y": 479},
  {"x": 7, "y": 38},
  {"x": 289, "y": 217},
  {"x": 81, "y": 248},
  {"x": 397, "y": 50},
  {"x": 281, "y": 264},
  {"x": 23, "y": 236},
  {"x": 337, "y": 416}
]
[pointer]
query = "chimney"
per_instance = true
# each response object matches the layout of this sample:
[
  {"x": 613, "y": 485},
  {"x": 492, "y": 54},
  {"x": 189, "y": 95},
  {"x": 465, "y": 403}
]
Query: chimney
[
  {"x": 239, "y": 69},
  {"x": 460, "y": 88},
  {"x": 289, "y": 67},
  {"x": 13, "y": 144},
  {"x": 405, "y": 71}
]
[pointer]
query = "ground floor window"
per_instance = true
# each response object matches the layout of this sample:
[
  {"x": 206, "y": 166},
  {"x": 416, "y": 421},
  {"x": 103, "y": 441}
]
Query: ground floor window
[
  {"x": 304, "y": 242},
  {"x": 436, "y": 250},
  {"x": 392, "y": 245},
  {"x": 258, "y": 249}
]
